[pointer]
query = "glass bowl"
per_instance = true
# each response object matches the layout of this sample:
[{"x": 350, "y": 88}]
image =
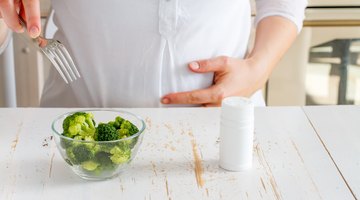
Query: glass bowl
[{"x": 99, "y": 160}]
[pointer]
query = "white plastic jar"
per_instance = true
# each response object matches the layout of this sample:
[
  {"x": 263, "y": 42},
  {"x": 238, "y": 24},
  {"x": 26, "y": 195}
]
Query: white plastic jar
[{"x": 236, "y": 133}]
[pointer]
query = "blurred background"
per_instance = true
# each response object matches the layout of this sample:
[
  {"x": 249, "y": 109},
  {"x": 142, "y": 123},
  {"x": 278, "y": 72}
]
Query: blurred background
[{"x": 321, "y": 68}]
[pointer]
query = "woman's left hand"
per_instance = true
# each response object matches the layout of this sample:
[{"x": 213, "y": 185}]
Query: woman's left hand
[{"x": 232, "y": 77}]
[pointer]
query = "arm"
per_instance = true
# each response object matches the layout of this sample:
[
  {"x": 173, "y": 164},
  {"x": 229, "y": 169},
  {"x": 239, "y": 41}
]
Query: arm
[{"x": 274, "y": 36}]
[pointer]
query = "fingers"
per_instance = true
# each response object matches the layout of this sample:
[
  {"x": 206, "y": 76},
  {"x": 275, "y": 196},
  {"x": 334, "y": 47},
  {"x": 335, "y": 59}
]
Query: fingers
[
  {"x": 210, "y": 65},
  {"x": 212, "y": 95},
  {"x": 8, "y": 12},
  {"x": 32, "y": 13}
]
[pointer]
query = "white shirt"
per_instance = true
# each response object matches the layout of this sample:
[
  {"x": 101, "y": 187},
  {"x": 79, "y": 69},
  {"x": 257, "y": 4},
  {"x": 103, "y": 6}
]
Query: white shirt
[{"x": 130, "y": 53}]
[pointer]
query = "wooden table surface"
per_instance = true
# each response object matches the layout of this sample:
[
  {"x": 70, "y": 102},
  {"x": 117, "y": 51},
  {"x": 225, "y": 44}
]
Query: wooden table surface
[{"x": 299, "y": 153}]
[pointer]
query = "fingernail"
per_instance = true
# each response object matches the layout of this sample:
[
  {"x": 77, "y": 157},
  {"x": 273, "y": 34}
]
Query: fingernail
[
  {"x": 194, "y": 65},
  {"x": 165, "y": 100},
  {"x": 34, "y": 31}
]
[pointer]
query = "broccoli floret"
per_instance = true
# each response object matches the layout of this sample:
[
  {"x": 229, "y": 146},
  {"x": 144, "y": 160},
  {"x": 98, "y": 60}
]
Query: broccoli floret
[
  {"x": 69, "y": 120},
  {"x": 133, "y": 130},
  {"x": 130, "y": 127},
  {"x": 71, "y": 156},
  {"x": 103, "y": 158},
  {"x": 114, "y": 124},
  {"x": 89, "y": 165},
  {"x": 79, "y": 124},
  {"x": 119, "y": 156},
  {"x": 128, "y": 143},
  {"x": 106, "y": 132},
  {"x": 111, "y": 123},
  {"x": 125, "y": 125},
  {"x": 103, "y": 148},
  {"x": 119, "y": 120},
  {"x": 82, "y": 152},
  {"x": 123, "y": 133},
  {"x": 117, "y": 124},
  {"x": 78, "y": 137},
  {"x": 89, "y": 138}
]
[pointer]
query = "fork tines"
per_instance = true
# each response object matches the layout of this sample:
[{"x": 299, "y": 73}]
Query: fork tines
[{"x": 62, "y": 61}]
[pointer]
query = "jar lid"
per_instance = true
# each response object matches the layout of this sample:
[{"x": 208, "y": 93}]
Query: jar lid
[{"x": 237, "y": 108}]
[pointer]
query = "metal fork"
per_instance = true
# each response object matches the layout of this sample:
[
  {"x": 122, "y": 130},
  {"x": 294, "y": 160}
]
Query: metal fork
[{"x": 58, "y": 56}]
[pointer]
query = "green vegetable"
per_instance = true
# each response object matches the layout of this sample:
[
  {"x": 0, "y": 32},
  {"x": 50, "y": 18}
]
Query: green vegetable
[
  {"x": 96, "y": 158},
  {"x": 130, "y": 127},
  {"x": 106, "y": 132},
  {"x": 123, "y": 133},
  {"x": 119, "y": 156},
  {"x": 82, "y": 152},
  {"x": 71, "y": 157},
  {"x": 119, "y": 120},
  {"x": 104, "y": 158},
  {"x": 79, "y": 125},
  {"x": 89, "y": 165}
]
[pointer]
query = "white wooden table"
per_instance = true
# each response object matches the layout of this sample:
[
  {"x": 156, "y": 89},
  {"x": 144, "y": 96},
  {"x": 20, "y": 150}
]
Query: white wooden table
[{"x": 299, "y": 153}]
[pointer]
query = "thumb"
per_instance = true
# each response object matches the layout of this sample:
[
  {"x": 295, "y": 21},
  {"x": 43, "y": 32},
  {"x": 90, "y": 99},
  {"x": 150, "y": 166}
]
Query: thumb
[{"x": 210, "y": 65}]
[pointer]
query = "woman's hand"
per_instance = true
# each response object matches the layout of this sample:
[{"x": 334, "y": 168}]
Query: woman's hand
[
  {"x": 241, "y": 77},
  {"x": 30, "y": 11},
  {"x": 232, "y": 77}
]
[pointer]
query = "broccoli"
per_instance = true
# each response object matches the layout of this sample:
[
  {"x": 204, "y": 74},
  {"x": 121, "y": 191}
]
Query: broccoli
[
  {"x": 129, "y": 143},
  {"x": 103, "y": 147},
  {"x": 123, "y": 133},
  {"x": 82, "y": 152},
  {"x": 119, "y": 156},
  {"x": 119, "y": 120},
  {"x": 106, "y": 132},
  {"x": 89, "y": 165},
  {"x": 103, "y": 158},
  {"x": 71, "y": 157},
  {"x": 130, "y": 127},
  {"x": 79, "y": 125},
  {"x": 125, "y": 125},
  {"x": 117, "y": 123},
  {"x": 92, "y": 157},
  {"x": 114, "y": 124}
]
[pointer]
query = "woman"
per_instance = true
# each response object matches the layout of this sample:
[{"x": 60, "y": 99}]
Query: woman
[{"x": 153, "y": 53}]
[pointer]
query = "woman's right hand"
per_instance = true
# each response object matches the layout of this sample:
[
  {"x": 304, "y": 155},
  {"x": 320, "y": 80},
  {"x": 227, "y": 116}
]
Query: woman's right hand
[{"x": 29, "y": 10}]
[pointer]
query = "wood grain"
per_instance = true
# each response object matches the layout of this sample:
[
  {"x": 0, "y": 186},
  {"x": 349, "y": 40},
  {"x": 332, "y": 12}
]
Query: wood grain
[
  {"x": 177, "y": 160},
  {"x": 339, "y": 130}
]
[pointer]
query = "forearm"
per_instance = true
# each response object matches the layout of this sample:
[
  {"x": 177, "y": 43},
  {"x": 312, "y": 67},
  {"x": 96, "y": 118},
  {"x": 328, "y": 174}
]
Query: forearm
[{"x": 274, "y": 36}]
